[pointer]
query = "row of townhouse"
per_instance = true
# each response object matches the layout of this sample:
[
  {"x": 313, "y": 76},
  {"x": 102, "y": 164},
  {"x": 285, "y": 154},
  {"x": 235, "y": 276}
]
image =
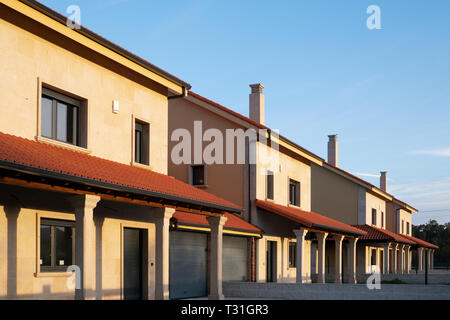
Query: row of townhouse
[{"x": 88, "y": 182}]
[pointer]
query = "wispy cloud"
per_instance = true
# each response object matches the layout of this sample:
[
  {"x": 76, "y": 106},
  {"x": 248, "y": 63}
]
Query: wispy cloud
[
  {"x": 432, "y": 152},
  {"x": 433, "y": 198}
]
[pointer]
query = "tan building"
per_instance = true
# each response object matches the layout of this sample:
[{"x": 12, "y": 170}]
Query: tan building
[
  {"x": 275, "y": 189},
  {"x": 281, "y": 198},
  {"x": 387, "y": 220},
  {"x": 86, "y": 204}
]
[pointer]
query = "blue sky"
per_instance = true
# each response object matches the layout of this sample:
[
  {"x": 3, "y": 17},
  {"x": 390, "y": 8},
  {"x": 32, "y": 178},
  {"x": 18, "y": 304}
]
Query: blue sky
[{"x": 384, "y": 92}]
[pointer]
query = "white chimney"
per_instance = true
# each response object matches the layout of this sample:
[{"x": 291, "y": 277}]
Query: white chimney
[
  {"x": 256, "y": 103},
  {"x": 333, "y": 150},
  {"x": 383, "y": 181}
]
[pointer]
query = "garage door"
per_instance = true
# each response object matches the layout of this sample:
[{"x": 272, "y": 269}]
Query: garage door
[
  {"x": 187, "y": 264},
  {"x": 234, "y": 259}
]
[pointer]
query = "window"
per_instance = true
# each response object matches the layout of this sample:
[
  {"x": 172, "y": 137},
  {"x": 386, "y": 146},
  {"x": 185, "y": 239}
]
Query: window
[
  {"x": 382, "y": 219},
  {"x": 57, "y": 244},
  {"x": 294, "y": 193},
  {"x": 403, "y": 226},
  {"x": 292, "y": 255},
  {"x": 373, "y": 257},
  {"x": 270, "y": 185},
  {"x": 198, "y": 175},
  {"x": 141, "y": 142},
  {"x": 407, "y": 227},
  {"x": 374, "y": 217},
  {"x": 61, "y": 117}
]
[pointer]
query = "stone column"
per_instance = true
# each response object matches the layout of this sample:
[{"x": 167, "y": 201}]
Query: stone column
[
  {"x": 407, "y": 259},
  {"x": 420, "y": 259},
  {"x": 162, "y": 222},
  {"x": 338, "y": 258},
  {"x": 321, "y": 240},
  {"x": 12, "y": 215},
  {"x": 394, "y": 258},
  {"x": 352, "y": 260},
  {"x": 432, "y": 259},
  {"x": 301, "y": 276},
  {"x": 215, "y": 258},
  {"x": 85, "y": 244},
  {"x": 401, "y": 259},
  {"x": 386, "y": 259},
  {"x": 429, "y": 259}
]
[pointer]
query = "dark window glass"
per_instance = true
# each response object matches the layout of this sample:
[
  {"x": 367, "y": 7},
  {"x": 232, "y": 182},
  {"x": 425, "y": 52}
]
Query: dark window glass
[
  {"x": 198, "y": 175},
  {"x": 382, "y": 219},
  {"x": 374, "y": 216},
  {"x": 57, "y": 244},
  {"x": 270, "y": 185},
  {"x": 292, "y": 255},
  {"x": 63, "y": 245},
  {"x": 45, "y": 245},
  {"x": 373, "y": 258},
  {"x": 60, "y": 119},
  {"x": 294, "y": 193},
  {"x": 46, "y": 117},
  {"x": 407, "y": 228}
]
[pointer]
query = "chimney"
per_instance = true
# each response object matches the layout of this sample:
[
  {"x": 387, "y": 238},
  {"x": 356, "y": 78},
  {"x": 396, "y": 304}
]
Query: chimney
[
  {"x": 256, "y": 103},
  {"x": 333, "y": 150},
  {"x": 383, "y": 181}
]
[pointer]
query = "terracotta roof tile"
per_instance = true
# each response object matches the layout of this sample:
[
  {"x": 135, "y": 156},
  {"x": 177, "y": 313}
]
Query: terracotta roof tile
[
  {"x": 233, "y": 221},
  {"x": 420, "y": 242},
  {"x": 16, "y": 150},
  {"x": 379, "y": 234},
  {"x": 307, "y": 218}
]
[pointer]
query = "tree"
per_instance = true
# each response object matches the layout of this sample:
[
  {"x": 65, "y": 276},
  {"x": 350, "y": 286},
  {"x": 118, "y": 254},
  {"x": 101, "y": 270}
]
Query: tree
[{"x": 438, "y": 234}]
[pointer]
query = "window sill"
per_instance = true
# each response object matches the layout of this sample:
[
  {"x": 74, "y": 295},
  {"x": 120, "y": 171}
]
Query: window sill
[
  {"x": 49, "y": 274},
  {"x": 200, "y": 186},
  {"x": 62, "y": 144},
  {"x": 294, "y": 206},
  {"x": 141, "y": 165}
]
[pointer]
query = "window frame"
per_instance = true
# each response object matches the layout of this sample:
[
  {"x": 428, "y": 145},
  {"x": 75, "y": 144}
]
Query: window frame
[
  {"x": 270, "y": 185},
  {"x": 191, "y": 173},
  {"x": 53, "y": 223},
  {"x": 292, "y": 259},
  {"x": 297, "y": 195},
  {"x": 75, "y": 104},
  {"x": 374, "y": 216},
  {"x": 144, "y": 148}
]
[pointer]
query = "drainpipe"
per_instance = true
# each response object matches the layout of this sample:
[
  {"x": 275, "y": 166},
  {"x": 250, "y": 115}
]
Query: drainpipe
[{"x": 182, "y": 95}]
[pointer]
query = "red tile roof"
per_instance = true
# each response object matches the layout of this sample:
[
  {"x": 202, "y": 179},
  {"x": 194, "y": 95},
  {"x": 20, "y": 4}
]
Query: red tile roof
[
  {"x": 307, "y": 218},
  {"x": 233, "y": 221},
  {"x": 379, "y": 234},
  {"x": 420, "y": 242},
  {"x": 219, "y": 106},
  {"x": 66, "y": 164}
]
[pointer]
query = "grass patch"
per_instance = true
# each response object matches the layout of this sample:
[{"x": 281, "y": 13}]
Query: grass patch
[{"x": 397, "y": 281}]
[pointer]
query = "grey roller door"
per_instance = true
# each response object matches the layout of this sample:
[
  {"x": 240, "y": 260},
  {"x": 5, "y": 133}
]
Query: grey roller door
[
  {"x": 187, "y": 264},
  {"x": 234, "y": 266}
]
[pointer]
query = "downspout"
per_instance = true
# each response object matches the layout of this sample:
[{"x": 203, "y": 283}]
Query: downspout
[{"x": 182, "y": 95}]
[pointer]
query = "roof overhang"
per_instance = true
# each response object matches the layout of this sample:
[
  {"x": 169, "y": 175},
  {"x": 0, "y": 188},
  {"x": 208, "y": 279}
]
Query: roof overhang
[{"x": 85, "y": 37}]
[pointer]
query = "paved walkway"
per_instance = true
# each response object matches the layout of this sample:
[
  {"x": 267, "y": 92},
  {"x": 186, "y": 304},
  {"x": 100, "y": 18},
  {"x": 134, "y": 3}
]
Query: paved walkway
[{"x": 293, "y": 291}]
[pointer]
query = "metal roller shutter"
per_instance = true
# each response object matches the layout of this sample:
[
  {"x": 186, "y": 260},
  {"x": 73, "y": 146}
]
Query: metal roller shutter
[
  {"x": 234, "y": 267},
  {"x": 187, "y": 264}
]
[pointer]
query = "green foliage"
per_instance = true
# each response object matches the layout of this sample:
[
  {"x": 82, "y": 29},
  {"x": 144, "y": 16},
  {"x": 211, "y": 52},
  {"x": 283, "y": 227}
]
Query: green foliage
[
  {"x": 438, "y": 234},
  {"x": 397, "y": 281}
]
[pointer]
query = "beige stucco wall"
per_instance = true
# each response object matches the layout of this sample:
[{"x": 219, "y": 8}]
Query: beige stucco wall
[
  {"x": 405, "y": 217},
  {"x": 333, "y": 196},
  {"x": 375, "y": 202},
  {"x": 28, "y": 60},
  {"x": 29, "y": 283},
  {"x": 284, "y": 168}
]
